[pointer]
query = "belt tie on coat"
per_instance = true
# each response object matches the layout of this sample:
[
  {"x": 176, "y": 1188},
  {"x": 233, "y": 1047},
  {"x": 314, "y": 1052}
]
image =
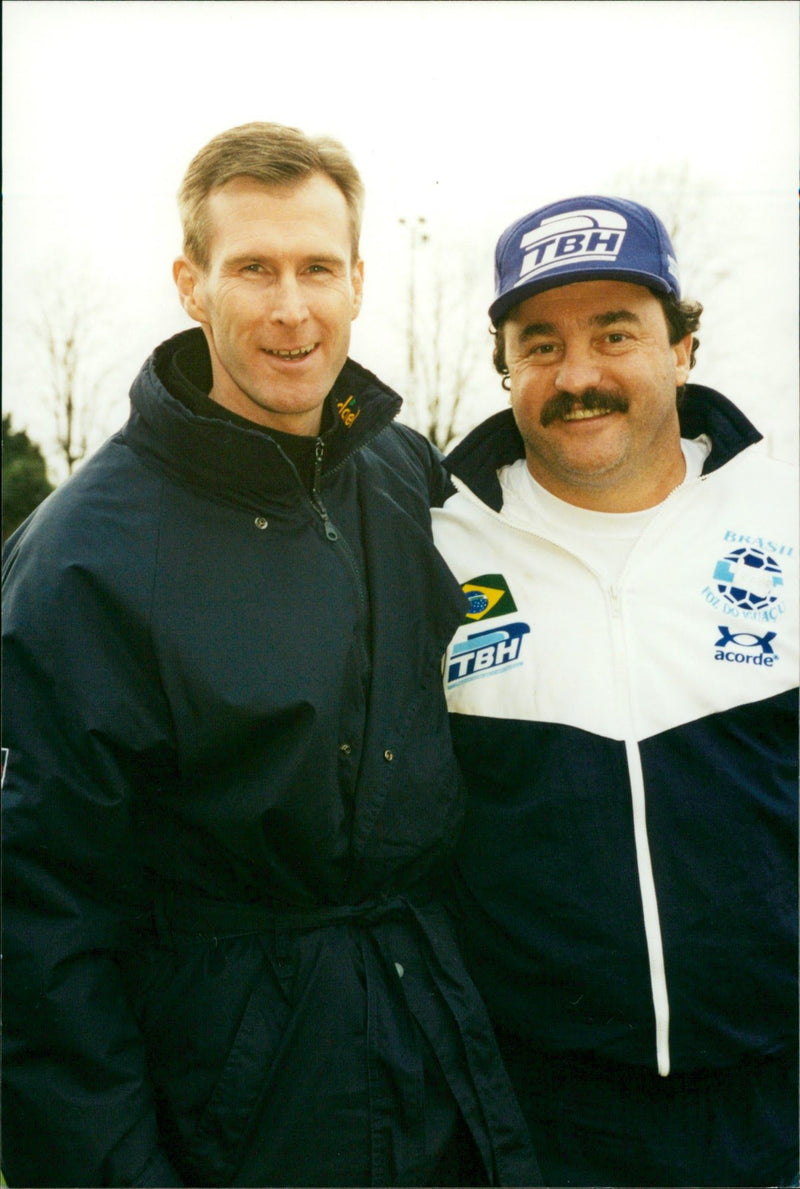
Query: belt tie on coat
[{"x": 442, "y": 1001}]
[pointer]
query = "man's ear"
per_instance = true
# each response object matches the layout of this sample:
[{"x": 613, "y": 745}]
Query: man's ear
[
  {"x": 357, "y": 282},
  {"x": 188, "y": 279},
  {"x": 682, "y": 351}
]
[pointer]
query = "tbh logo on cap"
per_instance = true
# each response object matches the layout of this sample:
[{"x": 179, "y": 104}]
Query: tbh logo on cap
[
  {"x": 572, "y": 237},
  {"x": 589, "y": 238}
]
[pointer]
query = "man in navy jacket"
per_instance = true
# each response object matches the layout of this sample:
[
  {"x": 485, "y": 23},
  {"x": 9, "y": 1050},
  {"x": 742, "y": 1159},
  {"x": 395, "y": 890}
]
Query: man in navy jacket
[{"x": 231, "y": 793}]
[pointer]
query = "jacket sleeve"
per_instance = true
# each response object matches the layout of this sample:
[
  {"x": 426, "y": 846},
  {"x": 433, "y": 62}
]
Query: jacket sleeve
[
  {"x": 80, "y": 726},
  {"x": 431, "y": 457}
]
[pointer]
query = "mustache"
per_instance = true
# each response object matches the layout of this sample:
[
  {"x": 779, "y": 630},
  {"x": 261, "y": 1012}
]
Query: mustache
[{"x": 594, "y": 400}]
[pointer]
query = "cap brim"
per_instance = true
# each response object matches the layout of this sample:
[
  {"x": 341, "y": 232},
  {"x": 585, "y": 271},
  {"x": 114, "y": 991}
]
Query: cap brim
[{"x": 501, "y": 306}]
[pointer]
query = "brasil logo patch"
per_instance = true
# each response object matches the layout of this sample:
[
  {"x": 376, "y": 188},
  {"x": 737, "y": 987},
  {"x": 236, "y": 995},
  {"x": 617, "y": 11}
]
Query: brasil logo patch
[{"x": 749, "y": 579}]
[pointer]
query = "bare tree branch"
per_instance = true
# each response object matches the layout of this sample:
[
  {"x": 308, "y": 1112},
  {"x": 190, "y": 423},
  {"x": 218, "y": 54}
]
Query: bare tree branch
[
  {"x": 69, "y": 335},
  {"x": 682, "y": 202},
  {"x": 446, "y": 308}
]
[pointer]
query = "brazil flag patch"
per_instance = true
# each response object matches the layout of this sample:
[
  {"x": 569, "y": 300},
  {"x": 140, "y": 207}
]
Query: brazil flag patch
[{"x": 488, "y": 596}]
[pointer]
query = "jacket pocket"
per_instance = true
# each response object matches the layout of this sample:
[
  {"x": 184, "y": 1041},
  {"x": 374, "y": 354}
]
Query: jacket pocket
[
  {"x": 214, "y": 1021},
  {"x": 225, "y": 1123}
]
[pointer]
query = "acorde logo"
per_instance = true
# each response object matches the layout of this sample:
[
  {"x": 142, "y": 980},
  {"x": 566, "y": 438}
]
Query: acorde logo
[{"x": 744, "y": 646}]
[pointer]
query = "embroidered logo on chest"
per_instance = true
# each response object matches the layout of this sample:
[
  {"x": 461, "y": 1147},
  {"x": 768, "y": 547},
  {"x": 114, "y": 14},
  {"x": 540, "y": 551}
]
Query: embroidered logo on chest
[
  {"x": 490, "y": 649},
  {"x": 747, "y": 588}
]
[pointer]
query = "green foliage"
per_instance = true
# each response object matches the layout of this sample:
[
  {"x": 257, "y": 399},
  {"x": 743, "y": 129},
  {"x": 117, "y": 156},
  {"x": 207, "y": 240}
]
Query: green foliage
[{"x": 25, "y": 481}]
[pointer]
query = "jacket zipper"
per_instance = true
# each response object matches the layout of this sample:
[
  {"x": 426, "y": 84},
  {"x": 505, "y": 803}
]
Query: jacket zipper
[
  {"x": 331, "y": 532},
  {"x": 316, "y": 498},
  {"x": 644, "y": 865}
]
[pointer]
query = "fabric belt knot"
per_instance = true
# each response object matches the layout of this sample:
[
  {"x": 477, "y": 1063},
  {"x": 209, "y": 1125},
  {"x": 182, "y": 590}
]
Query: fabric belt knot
[
  {"x": 217, "y": 920},
  {"x": 436, "y": 995}
]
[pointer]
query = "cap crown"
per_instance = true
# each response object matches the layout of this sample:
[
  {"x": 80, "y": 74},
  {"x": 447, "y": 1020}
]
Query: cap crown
[{"x": 582, "y": 239}]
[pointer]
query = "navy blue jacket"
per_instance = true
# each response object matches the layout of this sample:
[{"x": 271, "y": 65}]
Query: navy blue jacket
[{"x": 230, "y": 797}]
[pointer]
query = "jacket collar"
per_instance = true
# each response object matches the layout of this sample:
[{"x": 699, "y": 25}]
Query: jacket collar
[
  {"x": 497, "y": 441},
  {"x": 234, "y": 460}
]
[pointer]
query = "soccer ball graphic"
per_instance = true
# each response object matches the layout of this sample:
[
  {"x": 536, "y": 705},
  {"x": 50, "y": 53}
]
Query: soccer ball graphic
[{"x": 749, "y": 578}]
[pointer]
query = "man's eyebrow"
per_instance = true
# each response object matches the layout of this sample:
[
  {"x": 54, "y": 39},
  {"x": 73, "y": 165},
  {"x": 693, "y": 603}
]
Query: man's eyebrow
[
  {"x": 241, "y": 258},
  {"x": 612, "y": 316},
  {"x": 325, "y": 258},
  {"x": 534, "y": 330}
]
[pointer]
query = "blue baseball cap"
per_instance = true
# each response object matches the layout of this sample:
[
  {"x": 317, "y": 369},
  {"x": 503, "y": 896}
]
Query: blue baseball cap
[{"x": 582, "y": 239}]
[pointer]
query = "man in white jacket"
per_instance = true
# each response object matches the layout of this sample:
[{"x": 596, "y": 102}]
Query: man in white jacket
[{"x": 623, "y": 697}]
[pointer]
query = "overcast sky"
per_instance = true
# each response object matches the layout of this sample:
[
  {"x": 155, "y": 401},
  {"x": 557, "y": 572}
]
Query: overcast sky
[{"x": 469, "y": 114}]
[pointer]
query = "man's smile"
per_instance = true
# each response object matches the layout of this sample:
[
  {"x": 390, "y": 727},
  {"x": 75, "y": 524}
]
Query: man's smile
[
  {"x": 292, "y": 353},
  {"x": 581, "y": 414},
  {"x": 565, "y": 406}
]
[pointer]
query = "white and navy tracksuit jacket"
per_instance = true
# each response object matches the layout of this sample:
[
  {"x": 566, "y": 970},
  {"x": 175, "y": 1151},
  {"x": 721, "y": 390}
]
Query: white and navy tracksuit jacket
[{"x": 629, "y": 857}]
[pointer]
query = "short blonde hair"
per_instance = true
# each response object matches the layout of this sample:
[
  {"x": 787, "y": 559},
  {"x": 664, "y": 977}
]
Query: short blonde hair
[{"x": 272, "y": 154}]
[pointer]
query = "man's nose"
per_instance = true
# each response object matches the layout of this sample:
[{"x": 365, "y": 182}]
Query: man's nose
[
  {"x": 578, "y": 370},
  {"x": 289, "y": 304}
]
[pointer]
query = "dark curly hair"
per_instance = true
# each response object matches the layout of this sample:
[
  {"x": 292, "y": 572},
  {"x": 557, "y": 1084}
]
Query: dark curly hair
[{"x": 683, "y": 317}]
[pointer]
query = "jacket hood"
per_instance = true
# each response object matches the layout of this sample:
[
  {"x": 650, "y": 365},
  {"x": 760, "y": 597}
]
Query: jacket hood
[
  {"x": 233, "y": 460},
  {"x": 497, "y": 442}
]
